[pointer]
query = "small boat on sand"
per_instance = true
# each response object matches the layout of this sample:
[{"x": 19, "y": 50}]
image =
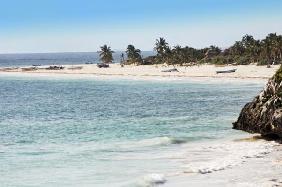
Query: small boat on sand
[
  {"x": 55, "y": 68},
  {"x": 226, "y": 71},
  {"x": 103, "y": 65},
  {"x": 171, "y": 70}
]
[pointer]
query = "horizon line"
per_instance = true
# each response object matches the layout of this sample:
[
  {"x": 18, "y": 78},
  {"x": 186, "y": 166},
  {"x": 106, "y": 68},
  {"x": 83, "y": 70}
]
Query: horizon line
[{"x": 19, "y": 53}]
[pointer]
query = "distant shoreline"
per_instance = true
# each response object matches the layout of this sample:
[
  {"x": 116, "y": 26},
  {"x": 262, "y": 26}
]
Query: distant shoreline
[{"x": 151, "y": 72}]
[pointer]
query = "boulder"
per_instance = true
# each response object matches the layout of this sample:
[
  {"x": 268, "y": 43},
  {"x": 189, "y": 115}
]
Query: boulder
[{"x": 264, "y": 114}]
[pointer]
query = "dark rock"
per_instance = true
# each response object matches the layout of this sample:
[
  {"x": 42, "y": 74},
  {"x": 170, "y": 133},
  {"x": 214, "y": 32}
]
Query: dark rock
[{"x": 264, "y": 114}]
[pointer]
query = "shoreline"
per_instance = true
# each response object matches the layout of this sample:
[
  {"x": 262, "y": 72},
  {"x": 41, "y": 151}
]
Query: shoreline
[
  {"x": 250, "y": 73},
  {"x": 148, "y": 78},
  {"x": 268, "y": 157}
]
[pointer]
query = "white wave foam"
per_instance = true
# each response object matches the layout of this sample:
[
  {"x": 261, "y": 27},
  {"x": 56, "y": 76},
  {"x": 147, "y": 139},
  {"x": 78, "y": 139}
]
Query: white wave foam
[
  {"x": 152, "y": 180},
  {"x": 227, "y": 155},
  {"x": 127, "y": 145},
  {"x": 155, "y": 178},
  {"x": 158, "y": 141}
]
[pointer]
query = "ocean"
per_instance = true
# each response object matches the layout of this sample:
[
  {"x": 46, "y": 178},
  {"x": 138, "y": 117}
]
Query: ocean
[
  {"x": 18, "y": 60},
  {"x": 61, "y": 131}
]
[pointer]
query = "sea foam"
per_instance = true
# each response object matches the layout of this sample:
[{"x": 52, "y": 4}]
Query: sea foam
[
  {"x": 226, "y": 155},
  {"x": 151, "y": 180}
]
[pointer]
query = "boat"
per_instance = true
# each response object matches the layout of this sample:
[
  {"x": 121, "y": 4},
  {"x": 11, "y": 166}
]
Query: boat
[
  {"x": 226, "y": 71},
  {"x": 103, "y": 65},
  {"x": 55, "y": 68},
  {"x": 171, "y": 70}
]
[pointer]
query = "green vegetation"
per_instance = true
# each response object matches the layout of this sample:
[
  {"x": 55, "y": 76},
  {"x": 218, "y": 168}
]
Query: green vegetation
[
  {"x": 278, "y": 75},
  {"x": 106, "y": 54},
  {"x": 163, "y": 51},
  {"x": 246, "y": 51},
  {"x": 278, "y": 79},
  {"x": 133, "y": 55}
]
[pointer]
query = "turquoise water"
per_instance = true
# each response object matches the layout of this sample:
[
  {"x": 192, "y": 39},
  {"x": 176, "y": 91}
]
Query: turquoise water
[{"x": 88, "y": 132}]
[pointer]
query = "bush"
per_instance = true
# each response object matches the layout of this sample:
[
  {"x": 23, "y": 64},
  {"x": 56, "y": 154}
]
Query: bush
[
  {"x": 242, "y": 60},
  {"x": 262, "y": 63},
  {"x": 278, "y": 75},
  {"x": 221, "y": 60}
]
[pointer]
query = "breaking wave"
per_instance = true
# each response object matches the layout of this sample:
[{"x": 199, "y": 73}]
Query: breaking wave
[{"x": 159, "y": 141}]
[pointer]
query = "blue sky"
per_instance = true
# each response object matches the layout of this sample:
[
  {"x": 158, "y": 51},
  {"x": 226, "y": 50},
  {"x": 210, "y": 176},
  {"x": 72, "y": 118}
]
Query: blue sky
[{"x": 84, "y": 25}]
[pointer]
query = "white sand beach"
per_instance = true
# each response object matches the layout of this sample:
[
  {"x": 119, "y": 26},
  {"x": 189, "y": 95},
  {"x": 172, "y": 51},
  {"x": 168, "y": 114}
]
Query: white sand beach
[{"x": 152, "y": 71}]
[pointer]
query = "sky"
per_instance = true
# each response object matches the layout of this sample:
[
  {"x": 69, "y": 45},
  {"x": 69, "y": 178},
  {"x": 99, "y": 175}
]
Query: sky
[{"x": 38, "y": 26}]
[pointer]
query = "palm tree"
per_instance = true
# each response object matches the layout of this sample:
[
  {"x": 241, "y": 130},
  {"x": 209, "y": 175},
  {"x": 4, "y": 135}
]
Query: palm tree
[
  {"x": 216, "y": 50},
  {"x": 237, "y": 49},
  {"x": 265, "y": 53},
  {"x": 133, "y": 54},
  {"x": 106, "y": 54},
  {"x": 250, "y": 46},
  {"x": 248, "y": 41},
  {"x": 177, "y": 55},
  {"x": 256, "y": 50},
  {"x": 272, "y": 45},
  {"x": 213, "y": 51},
  {"x": 279, "y": 40},
  {"x": 162, "y": 49}
]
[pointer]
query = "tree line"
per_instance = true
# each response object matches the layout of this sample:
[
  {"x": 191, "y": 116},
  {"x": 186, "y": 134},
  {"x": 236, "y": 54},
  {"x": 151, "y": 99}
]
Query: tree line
[{"x": 247, "y": 50}]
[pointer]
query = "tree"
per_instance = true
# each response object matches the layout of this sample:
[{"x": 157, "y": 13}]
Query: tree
[
  {"x": 271, "y": 47},
  {"x": 256, "y": 51},
  {"x": 213, "y": 51},
  {"x": 162, "y": 49},
  {"x": 279, "y": 40},
  {"x": 182, "y": 55},
  {"x": 247, "y": 50},
  {"x": 106, "y": 54},
  {"x": 177, "y": 55},
  {"x": 133, "y": 54},
  {"x": 248, "y": 41},
  {"x": 237, "y": 49}
]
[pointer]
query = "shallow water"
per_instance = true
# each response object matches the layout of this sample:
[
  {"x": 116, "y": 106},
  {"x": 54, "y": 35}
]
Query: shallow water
[{"x": 89, "y": 132}]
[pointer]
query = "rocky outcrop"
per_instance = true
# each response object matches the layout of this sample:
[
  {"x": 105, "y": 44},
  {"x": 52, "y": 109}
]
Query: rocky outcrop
[{"x": 264, "y": 114}]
